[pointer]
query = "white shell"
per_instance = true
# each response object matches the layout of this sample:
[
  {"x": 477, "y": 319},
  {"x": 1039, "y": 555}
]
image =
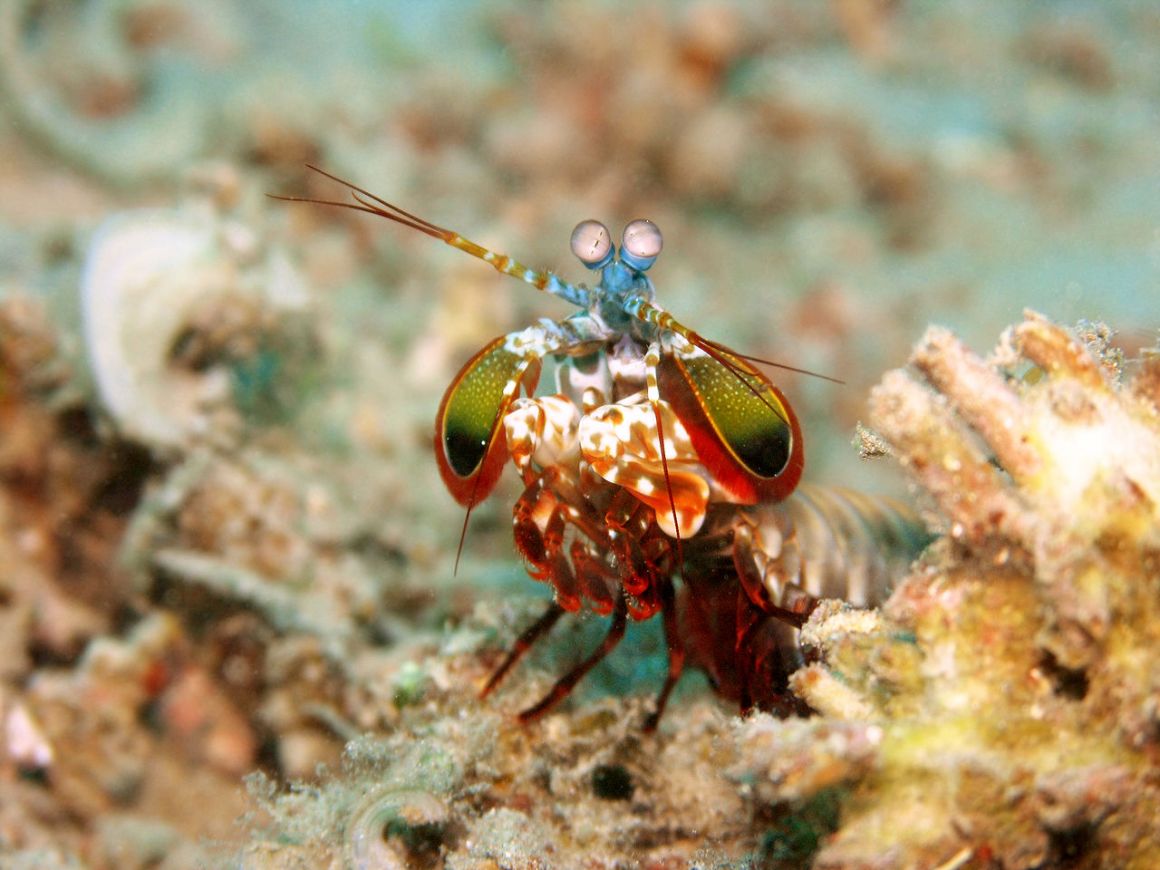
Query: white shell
[{"x": 146, "y": 274}]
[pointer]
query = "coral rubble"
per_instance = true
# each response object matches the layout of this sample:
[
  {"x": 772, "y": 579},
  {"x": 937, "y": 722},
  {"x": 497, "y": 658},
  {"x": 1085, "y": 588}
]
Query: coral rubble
[{"x": 1012, "y": 675}]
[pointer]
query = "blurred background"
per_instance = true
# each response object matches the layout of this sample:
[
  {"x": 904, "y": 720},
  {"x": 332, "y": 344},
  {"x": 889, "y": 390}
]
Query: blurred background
[
  {"x": 830, "y": 177},
  {"x": 211, "y": 396}
]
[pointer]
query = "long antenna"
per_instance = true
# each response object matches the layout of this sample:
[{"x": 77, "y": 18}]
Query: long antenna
[
  {"x": 772, "y": 364},
  {"x": 367, "y": 202}
]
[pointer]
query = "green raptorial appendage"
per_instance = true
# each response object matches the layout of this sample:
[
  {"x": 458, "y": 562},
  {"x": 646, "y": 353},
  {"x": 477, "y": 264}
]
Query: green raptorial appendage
[
  {"x": 470, "y": 419},
  {"x": 748, "y": 417}
]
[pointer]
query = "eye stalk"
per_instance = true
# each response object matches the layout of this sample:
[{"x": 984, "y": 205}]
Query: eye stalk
[
  {"x": 592, "y": 244},
  {"x": 641, "y": 244}
]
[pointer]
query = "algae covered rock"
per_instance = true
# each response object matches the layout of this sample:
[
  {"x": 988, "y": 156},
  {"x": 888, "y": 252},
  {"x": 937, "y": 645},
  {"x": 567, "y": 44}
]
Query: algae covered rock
[{"x": 1012, "y": 674}]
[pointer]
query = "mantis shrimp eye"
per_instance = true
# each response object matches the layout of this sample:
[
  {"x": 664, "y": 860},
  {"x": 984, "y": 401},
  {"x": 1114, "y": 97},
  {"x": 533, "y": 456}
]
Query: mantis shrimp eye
[
  {"x": 592, "y": 244},
  {"x": 641, "y": 244}
]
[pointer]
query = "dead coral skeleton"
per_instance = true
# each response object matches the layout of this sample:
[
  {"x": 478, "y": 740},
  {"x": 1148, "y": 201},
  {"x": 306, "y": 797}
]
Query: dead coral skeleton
[
  {"x": 1011, "y": 674},
  {"x": 1062, "y": 475}
]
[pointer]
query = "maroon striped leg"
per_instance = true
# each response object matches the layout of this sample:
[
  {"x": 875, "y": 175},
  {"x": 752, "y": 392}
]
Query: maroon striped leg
[
  {"x": 676, "y": 648},
  {"x": 567, "y": 682},
  {"x": 523, "y": 643}
]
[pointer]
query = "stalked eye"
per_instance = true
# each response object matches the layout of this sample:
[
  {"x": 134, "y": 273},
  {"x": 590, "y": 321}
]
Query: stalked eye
[
  {"x": 641, "y": 244},
  {"x": 592, "y": 244}
]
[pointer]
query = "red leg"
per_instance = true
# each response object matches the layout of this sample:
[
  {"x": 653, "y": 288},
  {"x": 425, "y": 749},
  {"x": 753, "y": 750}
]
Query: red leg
[
  {"x": 529, "y": 539},
  {"x": 568, "y": 682},
  {"x": 676, "y": 649},
  {"x": 543, "y": 548},
  {"x": 767, "y": 654},
  {"x": 523, "y": 643},
  {"x": 593, "y": 579},
  {"x": 749, "y": 619},
  {"x": 636, "y": 574}
]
